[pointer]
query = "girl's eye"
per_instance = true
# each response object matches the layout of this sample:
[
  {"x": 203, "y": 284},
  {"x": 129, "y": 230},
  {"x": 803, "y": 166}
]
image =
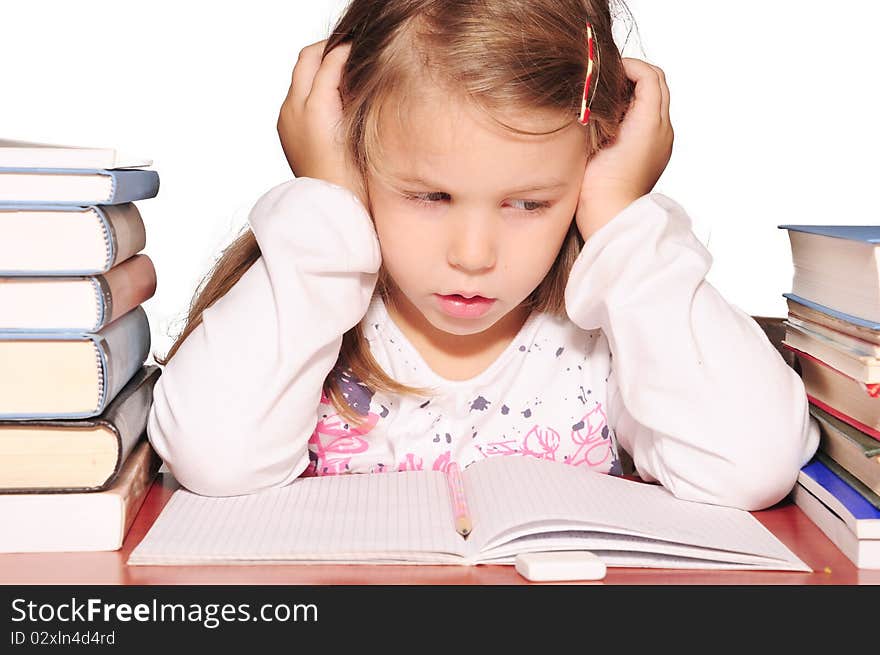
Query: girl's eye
[
  {"x": 532, "y": 206},
  {"x": 427, "y": 198}
]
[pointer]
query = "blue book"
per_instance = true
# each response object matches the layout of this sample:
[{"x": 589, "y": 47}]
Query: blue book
[
  {"x": 863, "y": 233},
  {"x": 75, "y": 186},
  {"x": 822, "y": 477},
  {"x": 836, "y": 270},
  {"x": 68, "y": 374},
  {"x": 849, "y": 318}
]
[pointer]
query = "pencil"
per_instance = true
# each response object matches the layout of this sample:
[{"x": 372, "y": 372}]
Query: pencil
[{"x": 463, "y": 524}]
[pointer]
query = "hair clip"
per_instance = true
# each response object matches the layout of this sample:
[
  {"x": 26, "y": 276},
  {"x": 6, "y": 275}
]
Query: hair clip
[{"x": 584, "y": 116}]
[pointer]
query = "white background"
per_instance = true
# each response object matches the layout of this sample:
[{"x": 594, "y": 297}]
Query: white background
[{"x": 773, "y": 104}]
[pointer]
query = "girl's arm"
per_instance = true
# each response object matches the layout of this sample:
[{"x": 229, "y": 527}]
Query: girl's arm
[
  {"x": 236, "y": 405},
  {"x": 697, "y": 394}
]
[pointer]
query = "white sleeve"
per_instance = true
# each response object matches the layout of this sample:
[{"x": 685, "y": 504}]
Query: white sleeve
[
  {"x": 234, "y": 408},
  {"x": 697, "y": 394}
]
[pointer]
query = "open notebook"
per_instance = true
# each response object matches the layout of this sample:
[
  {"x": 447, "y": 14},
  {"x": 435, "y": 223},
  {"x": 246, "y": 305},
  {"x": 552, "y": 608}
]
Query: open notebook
[{"x": 517, "y": 504}]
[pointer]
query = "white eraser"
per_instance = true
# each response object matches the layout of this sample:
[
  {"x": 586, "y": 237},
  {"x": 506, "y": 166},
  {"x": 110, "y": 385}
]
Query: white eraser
[{"x": 560, "y": 565}]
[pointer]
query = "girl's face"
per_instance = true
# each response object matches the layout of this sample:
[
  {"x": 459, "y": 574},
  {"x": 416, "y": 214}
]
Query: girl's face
[{"x": 464, "y": 206}]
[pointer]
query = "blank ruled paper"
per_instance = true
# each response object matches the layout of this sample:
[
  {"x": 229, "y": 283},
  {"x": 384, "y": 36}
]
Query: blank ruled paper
[
  {"x": 390, "y": 516},
  {"x": 522, "y": 495}
]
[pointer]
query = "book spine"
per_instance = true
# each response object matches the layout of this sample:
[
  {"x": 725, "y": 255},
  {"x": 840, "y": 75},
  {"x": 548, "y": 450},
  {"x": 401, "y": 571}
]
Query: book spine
[
  {"x": 109, "y": 236},
  {"x": 101, "y": 388},
  {"x": 103, "y": 299},
  {"x": 126, "y": 286},
  {"x": 134, "y": 493},
  {"x": 123, "y": 346},
  {"x": 127, "y": 413},
  {"x": 124, "y": 232},
  {"x": 130, "y": 185}
]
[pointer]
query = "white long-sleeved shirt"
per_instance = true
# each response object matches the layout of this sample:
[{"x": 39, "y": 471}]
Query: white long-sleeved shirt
[{"x": 651, "y": 361}]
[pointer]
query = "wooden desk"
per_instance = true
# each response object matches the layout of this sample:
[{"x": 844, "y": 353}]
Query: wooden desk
[{"x": 785, "y": 520}]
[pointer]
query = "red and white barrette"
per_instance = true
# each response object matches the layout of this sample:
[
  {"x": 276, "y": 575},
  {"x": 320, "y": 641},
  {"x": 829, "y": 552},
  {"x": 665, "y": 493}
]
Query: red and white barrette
[{"x": 587, "y": 100}]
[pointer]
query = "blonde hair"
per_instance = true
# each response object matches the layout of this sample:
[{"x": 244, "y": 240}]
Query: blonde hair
[{"x": 499, "y": 54}]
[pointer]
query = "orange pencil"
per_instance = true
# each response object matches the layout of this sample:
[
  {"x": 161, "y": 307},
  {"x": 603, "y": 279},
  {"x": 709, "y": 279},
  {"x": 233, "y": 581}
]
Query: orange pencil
[{"x": 463, "y": 524}]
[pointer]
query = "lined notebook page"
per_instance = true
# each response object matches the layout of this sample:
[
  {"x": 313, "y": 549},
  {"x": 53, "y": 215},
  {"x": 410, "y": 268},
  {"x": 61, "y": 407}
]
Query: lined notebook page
[
  {"x": 513, "y": 496},
  {"x": 384, "y": 517}
]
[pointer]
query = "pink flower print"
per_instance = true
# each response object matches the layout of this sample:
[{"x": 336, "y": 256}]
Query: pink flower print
[
  {"x": 598, "y": 453},
  {"x": 334, "y": 457},
  {"x": 411, "y": 462},
  {"x": 591, "y": 435},
  {"x": 442, "y": 462},
  {"x": 504, "y": 448},
  {"x": 542, "y": 444}
]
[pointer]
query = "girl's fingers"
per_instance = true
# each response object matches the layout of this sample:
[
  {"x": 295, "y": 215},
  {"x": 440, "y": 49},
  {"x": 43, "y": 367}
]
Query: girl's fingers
[
  {"x": 664, "y": 92},
  {"x": 325, "y": 87},
  {"x": 304, "y": 73},
  {"x": 648, "y": 96}
]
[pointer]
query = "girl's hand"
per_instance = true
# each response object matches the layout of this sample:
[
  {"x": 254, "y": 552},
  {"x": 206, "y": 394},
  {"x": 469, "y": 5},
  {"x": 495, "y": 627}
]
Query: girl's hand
[
  {"x": 629, "y": 168},
  {"x": 310, "y": 119}
]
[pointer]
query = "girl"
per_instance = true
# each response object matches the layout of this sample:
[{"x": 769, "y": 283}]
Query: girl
[{"x": 470, "y": 263}]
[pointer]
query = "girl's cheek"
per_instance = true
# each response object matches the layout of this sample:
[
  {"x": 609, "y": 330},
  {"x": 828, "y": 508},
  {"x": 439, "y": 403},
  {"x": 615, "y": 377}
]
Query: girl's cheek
[{"x": 404, "y": 243}]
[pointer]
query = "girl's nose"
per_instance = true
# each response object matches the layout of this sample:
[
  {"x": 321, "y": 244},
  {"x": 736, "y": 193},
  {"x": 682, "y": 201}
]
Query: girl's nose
[{"x": 472, "y": 243}]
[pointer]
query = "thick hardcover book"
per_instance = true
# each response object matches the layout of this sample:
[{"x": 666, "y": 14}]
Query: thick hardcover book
[
  {"x": 862, "y": 517},
  {"x": 76, "y": 454},
  {"x": 851, "y": 448},
  {"x": 75, "y": 186},
  {"x": 516, "y": 505},
  {"x": 68, "y": 374},
  {"x": 76, "y": 304},
  {"x": 59, "y": 240},
  {"x": 837, "y": 266},
  {"x": 89, "y": 521},
  {"x": 31, "y": 154}
]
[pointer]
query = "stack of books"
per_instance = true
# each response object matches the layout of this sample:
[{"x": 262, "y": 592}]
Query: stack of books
[
  {"x": 833, "y": 329},
  {"x": 75, "y": 386}
]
